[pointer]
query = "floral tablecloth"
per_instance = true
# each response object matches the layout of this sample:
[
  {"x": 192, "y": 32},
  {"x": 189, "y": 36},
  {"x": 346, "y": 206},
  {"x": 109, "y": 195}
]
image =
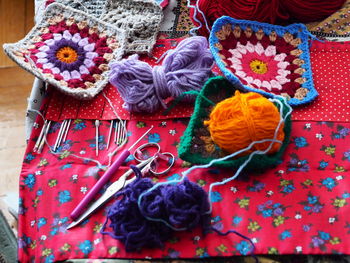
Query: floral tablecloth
[{"x": 299, "y": 207}]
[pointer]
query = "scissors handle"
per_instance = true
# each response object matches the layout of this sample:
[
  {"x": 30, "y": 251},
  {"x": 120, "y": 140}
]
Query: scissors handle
[
  {"x": 111, "y": 191},
  {"x": 98, "y": 186}
]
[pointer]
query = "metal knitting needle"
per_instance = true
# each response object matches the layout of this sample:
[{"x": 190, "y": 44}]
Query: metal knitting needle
[
  {"x": 97, "y": 123},
  {"x": 62, "y": 133},
  {"x": 42, "y": 143},
  {"x": 67, "y": 129},
  {"x": 58, "y": 137},
  {"x": 125, "y": 132},
  {"x": 37, "y": 143},
  {"x": 122, "y": 132},
  {"x": 109, "y": 134},
  {"x": 118, "y": 133},
  {"x": 115, "y": 132}
]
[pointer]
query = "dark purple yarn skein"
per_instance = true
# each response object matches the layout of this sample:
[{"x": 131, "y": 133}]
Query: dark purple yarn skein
[
  {"x": 128, "y": 224},
  {"x": 144, "y": 88},
  {"x": 182, "y": 205}
]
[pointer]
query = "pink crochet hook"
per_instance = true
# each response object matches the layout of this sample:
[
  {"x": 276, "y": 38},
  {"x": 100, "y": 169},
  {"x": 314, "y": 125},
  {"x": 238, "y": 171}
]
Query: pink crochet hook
[{"x": 104, "y": 179}]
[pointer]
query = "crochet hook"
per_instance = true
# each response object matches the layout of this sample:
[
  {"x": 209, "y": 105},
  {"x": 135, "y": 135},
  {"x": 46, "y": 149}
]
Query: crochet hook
[
  {"x": 97, "y": 124},
  {"x": 104, "y": 179},
  {"x": 110, "y": 192}
]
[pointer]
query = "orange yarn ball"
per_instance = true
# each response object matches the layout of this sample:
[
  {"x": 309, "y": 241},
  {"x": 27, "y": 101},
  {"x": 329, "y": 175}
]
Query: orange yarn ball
[{"x": 238, "y": 121}]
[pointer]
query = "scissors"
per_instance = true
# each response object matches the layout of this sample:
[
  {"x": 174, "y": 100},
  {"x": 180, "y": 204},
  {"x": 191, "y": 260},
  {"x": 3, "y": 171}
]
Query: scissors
[{"x": 146, "y": 163}]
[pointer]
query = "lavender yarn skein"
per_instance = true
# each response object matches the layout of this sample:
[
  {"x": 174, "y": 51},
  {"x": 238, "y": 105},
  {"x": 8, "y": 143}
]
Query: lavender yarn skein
[{"x": 144, "y": 88}]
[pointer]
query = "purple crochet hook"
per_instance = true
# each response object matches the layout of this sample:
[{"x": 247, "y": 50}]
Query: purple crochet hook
[{"x": 104, "y": 179}]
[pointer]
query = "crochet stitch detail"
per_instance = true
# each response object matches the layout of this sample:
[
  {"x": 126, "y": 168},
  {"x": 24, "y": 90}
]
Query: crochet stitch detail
[
  {"x": 139, "y": 18},
  {"x": 263, "y": 58},
  {"x": 92, "y": 7},
  {"x": 69, "y": 50}
]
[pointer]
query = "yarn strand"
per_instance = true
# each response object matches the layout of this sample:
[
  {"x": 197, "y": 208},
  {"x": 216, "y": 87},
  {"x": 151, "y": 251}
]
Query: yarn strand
[
  {"x": 239, "y": 170},
  {"x": 240, "y": 235}
]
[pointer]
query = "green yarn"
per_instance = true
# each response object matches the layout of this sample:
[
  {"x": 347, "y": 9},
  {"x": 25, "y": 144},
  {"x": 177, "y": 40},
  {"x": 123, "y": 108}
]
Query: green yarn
[{"x": 217, "y": 89}]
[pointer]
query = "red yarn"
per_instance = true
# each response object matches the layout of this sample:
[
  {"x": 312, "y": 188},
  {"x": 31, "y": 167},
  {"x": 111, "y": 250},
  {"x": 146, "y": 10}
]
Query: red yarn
[{"x": 273, "y": 11}]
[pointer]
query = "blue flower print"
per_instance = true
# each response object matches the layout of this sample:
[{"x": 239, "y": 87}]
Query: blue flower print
[
  {"x": 101, "y": 143},
  {"x": 39, "y": 192},
  {"x": 307, "y": 208},
  {"x": 275, "y": 205},
  {"x": 54, "y": 231},
  {"x": 216, "y": 219},
  {"x": 66, "y": 166},
  {"x": 85, "y": 247},
  {"x": 267, "y": 213},
  {"x": 346, "y": 155},
  {"x": 154, "y": 137},
  {"x": 322, "y": 165},
  {"x": 50, "y": 259},
  {"x": 29, "y": 157},
  {"x": 288, "y": 188},
  {"x": 236, "y": 220},
  {"x": 285, "y": 234},
  {"x": 243, "y": 247},
  {"x": 300, "y": 142},
  {"x": 41, "y": 222},
  {"x": 324, "y": 235},
  {"x": 346, "y": 195},
  {"x": 64, "y": 196},
  {"x": 79, "y": 125},
  {"x": 329, "y": 183},
  {"x": 29, "y": 181},
  {"x": 312, "y": 199},
  {"x": 21, "y": 208},
  {"x": 215, "y": 197}
]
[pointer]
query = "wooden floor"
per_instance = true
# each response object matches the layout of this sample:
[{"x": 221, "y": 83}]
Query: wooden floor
[{"x": 15, "y": 86}]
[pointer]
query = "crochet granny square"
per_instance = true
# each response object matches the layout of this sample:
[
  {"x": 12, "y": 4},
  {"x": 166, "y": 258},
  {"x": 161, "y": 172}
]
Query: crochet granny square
[
  {"x": 92, "y": 7},
  {"x": 70, "y": 50},
  {"x": 268, "y": 59},
  {"x": 196, "y": 145},
  {"x": 139, "y": 18}
]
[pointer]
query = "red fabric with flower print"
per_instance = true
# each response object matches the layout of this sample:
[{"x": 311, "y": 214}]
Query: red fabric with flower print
[
  {"x": 59, "y": 108},
  {"x": 301, "y": 206}
]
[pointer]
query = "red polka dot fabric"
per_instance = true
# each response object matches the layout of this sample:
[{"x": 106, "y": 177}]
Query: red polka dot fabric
[
  {"x": 331, "y": 74},
  {"x": 61, "y": 107}
]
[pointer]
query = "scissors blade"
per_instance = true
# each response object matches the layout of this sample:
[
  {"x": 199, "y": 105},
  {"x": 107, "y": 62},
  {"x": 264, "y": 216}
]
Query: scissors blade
[{"x": 110, "y": 191}]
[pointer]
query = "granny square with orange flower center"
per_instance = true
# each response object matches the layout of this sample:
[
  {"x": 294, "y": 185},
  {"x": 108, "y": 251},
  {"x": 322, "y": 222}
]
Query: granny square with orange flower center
[
  {"x": 271, "y": 60},
  {"x": 69, "y": 50}
]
